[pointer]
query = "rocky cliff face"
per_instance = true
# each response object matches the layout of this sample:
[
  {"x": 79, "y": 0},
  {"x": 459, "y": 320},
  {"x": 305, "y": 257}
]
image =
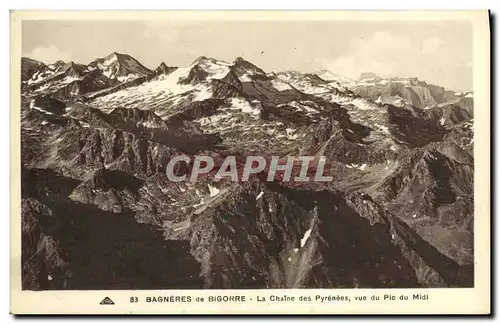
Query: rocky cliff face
[{"x": 98, "y": 211}]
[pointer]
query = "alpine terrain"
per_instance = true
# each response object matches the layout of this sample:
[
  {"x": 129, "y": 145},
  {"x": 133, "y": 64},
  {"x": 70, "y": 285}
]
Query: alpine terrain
[{"x": 98, "y": 211}]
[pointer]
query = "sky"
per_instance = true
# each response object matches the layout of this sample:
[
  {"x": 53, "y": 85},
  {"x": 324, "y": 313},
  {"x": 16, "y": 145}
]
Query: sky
[{"x": 436, "y": 52}]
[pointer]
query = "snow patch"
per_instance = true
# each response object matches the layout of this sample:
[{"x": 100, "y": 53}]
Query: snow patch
[
  {"x": 108, "y": 73},
  {"x": 70, "y": 79},
  {"x": 362, "y": 104},
  {"x": 149, "y": 124},
  {"x": 32, "y": 106},
  {"x": 356, "y": 166},
  {"x": 212, "y": 120},
  {"x": 112, "y": 59},
  {"x": 280, "y": 85},
  {"x": 39, "y": 76},
  {"x": 304, "y": 239},
  {"x": 202, "y": 202},
  {"x": 130, "y": 77},
  {"x": 301, "y": 106},
  {"x": 216, "y": 70},
  {"x": 245, "y": 78},
  {"x": 163, "y": 89},
  {"x": 214, "y": 191},
  {"x": 244, "y": 106},
  {"x": 202, "y": 93}
]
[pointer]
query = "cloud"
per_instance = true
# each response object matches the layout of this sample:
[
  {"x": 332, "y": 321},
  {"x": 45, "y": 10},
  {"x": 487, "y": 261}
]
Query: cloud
[
  {"x": 383, "y": 53},
  {"x": 49, "y": 54}
]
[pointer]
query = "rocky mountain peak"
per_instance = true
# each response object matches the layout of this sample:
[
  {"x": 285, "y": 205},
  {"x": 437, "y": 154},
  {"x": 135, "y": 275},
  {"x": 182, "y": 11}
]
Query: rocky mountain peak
[
  {"x": 164, "y": 69},
  {"x": 30, "y": 67},
  {"x": 122, "y": 67},
  {"x": 204, "y": 60},
  {"x": 241, "y": 62}
]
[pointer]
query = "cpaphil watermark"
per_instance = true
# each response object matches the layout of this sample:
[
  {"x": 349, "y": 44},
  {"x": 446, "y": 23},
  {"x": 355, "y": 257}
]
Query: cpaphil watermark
[{"x": 291, "y": 168}]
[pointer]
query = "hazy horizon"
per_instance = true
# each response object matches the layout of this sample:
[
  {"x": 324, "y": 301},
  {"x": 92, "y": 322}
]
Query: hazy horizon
[{"x": 436, "y": 52}]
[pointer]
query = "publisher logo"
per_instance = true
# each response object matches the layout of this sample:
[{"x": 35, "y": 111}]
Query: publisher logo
[{"x": 107, "y": 301}]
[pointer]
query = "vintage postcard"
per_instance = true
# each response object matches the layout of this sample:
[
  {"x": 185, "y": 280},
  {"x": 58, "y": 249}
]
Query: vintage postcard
[{"x": 211, "y": 162}]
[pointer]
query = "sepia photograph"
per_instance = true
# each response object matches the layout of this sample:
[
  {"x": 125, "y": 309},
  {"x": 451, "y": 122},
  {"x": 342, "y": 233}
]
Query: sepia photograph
[{"x": 247, "y": 154}]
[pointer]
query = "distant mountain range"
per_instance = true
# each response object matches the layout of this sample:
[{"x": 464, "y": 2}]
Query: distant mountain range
[{"x": 99, "y": 213}]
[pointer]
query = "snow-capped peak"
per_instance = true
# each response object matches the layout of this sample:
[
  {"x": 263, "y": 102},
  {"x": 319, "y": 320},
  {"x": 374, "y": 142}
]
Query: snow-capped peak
[
  {"x": 330, "y": 76},
  {"x": 208, "y": 61},
  {"x": 122, "y": 67},
  {"x": 215, "y": 69},
  {"x": 110, "y": 59},
  {"x": 244, "y": 69}
]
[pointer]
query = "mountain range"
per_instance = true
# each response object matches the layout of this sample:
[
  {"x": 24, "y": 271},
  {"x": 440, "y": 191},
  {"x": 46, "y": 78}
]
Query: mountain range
[{"x": 98, "y": 211}]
